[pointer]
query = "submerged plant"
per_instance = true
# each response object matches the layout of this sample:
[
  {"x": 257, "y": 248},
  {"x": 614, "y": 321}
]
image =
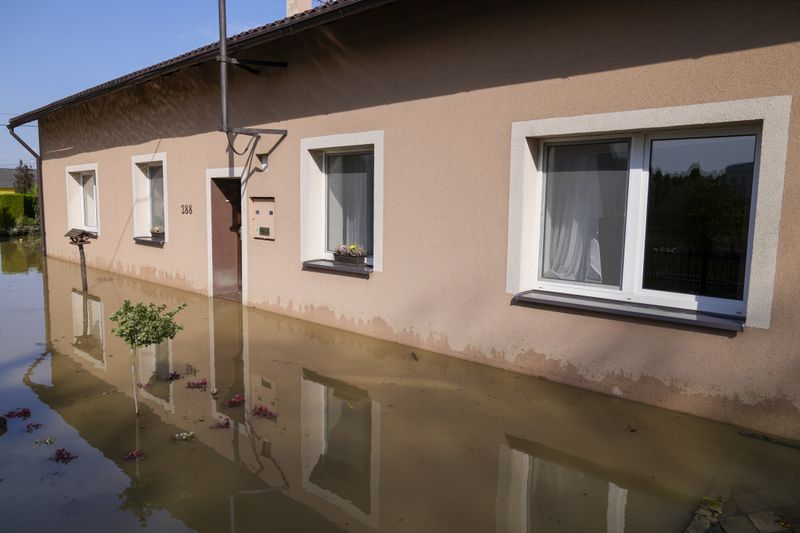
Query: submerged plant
[
  {"x": 143, "y": 325},
  {"x": 173, "y": 376}
]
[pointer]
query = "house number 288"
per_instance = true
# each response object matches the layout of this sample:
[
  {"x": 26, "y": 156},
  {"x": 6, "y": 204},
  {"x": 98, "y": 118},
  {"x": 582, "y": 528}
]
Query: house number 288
[{"x": 186, "y": 209}]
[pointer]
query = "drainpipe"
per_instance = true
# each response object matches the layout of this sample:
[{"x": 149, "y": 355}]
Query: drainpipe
[{"x": 39, "y": 187}]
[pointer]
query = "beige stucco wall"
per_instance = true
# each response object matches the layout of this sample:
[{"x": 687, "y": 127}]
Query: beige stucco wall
[{"x": 444, "y": 83}]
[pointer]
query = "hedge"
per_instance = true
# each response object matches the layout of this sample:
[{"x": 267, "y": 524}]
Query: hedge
[{"x": 12, "y": 206}]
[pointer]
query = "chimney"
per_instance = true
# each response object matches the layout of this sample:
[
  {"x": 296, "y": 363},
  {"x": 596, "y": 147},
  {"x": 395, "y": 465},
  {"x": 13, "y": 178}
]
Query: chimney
[{"x": 293, "y": 7}]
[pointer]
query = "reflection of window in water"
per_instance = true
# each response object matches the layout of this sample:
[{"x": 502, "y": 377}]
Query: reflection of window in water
[
  {"x": 87, "y": 327},
  {"x": 340, "y": 440},
  {"x": 541, "y": 490},
  {"x": 154, "y": 369}
]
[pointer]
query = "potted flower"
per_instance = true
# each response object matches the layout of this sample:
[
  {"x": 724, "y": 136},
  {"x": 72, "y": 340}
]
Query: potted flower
[
  {"x": 157, "y": 231},
  {"x": 351, "y": 254}
]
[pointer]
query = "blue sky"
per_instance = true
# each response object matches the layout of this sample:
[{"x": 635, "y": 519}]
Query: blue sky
[{"x": 52, "y": 48}]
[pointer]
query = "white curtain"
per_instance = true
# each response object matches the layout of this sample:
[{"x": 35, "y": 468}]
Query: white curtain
[
  {"x": 350, "y": 200},
  {"x": 581, "y": 183}
]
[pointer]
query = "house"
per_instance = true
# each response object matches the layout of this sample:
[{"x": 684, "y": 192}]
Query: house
[{"x": 603, "y": 195}]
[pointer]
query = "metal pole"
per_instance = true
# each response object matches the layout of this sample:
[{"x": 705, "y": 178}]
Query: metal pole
[
  {"x": 39, "y": 187},
  {"x": 223, "y": 65}
]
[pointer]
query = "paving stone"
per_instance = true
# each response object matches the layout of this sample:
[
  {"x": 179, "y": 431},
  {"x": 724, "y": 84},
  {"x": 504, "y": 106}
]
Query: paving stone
[
  {"x": 767, "y": 522},
  {"x": 750, "y": 502},
  {"x": 738, "y": 524}
]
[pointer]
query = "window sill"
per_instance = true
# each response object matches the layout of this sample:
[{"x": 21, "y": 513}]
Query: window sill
[
  {"x": 326, "y": 265},
  {"x": 150, "y": 241},
  {"x": 629, "y": 309}
]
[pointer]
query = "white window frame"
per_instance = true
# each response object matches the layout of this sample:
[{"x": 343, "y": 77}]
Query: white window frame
[
  {"x": 75, "y": 173},
  {"x": 139, "y": 165},
  {"x": 768, "y": 117},
  {"x": 631, "y": 289},
  {"x": 314, "y": 192}
]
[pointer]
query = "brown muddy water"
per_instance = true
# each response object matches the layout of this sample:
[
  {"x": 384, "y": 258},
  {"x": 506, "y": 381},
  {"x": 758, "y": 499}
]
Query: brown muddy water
[{"x": 368, "y": 435}]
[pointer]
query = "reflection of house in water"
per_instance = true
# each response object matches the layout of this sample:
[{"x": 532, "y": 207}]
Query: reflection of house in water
[
  {"x": 541, "y": 489},
  {"x": 227, "y": 356},
  {"x": 341, "y": 445},
  {"x": 87, "y": 327}
]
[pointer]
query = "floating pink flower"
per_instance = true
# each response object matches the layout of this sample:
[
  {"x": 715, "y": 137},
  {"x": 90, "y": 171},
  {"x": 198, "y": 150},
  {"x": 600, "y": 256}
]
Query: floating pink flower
[
  {"x": 63, "y": 456},
  {"x": 236, "y": 401},
  {"x": 30, "y": 428},
  {"x": 201, "y": 384},
  {"x": 173, "y": 376},
  {"x": 19, "y": 412},
  {"x": 263, "y": 411},
  {"x": 135, "y": 454}
]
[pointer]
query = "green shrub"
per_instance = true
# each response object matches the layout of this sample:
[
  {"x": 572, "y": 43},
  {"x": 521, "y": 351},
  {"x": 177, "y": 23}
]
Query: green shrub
[{"x": 14, "y": 206}]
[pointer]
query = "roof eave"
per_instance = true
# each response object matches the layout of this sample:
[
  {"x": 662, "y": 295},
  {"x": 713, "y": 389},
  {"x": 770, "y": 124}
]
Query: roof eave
[{"x": 271, "y": 32}]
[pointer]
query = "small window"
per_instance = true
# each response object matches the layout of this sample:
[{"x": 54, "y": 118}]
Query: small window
[
  {"x": 149, "y": 183},
  {"x": 660, "y": 219},
  {"x": 82, "y": 200},
  {"x": 350, "y": 186},
  {"x": 155, "y": 172}
]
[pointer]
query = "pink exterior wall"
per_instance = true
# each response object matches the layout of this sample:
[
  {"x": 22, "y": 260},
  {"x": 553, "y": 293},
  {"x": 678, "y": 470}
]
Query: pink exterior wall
[{"x": 445, "y": 90}]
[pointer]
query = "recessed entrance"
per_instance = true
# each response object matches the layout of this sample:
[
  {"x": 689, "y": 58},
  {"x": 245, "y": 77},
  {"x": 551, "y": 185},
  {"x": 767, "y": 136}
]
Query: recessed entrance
[{"x": 225, "y": 208}]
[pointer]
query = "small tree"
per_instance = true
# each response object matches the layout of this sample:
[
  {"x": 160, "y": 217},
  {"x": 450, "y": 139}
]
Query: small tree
[
  {"x": 23, "y": 178},
  {"x": 142, "y": 325}
]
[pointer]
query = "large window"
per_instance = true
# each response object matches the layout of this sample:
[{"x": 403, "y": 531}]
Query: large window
[
  {"x": 657, "y": 218},
  {"x": 82, "y": 198},
  {"x": 651, "y": 212},
  {"x": 149, "y": 187},
  {"x": 350, "y": 192}
]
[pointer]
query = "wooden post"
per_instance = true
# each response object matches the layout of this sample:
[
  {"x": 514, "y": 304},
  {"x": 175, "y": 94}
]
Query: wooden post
[
  {"x": 78, "y": 238},
  {"x": 84, "y": 283}
]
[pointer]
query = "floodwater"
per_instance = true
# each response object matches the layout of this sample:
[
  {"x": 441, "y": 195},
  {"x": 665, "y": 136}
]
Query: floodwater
[{"x": 358, "y": 434}]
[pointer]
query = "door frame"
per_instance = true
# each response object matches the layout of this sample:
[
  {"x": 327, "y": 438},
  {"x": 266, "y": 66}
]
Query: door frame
[{"x": 236, "y": 173}]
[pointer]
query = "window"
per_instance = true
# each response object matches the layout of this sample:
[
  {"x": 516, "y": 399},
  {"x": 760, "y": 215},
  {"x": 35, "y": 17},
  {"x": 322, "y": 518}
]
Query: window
[
  {"x": 350, "y": 205},
  {"x": 341, "y": 192},
  {"x": 670, "y": 209},
  {"x": 82, "y": 198},
  {"x": 687, "y": 227},
  {"x": 149, "y": 187},
  {"x": 88, "y": 184}
]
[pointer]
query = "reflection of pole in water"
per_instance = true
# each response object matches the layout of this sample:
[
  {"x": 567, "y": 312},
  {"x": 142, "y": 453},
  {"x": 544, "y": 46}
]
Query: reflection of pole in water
[{"x": 133, "y": 380}]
